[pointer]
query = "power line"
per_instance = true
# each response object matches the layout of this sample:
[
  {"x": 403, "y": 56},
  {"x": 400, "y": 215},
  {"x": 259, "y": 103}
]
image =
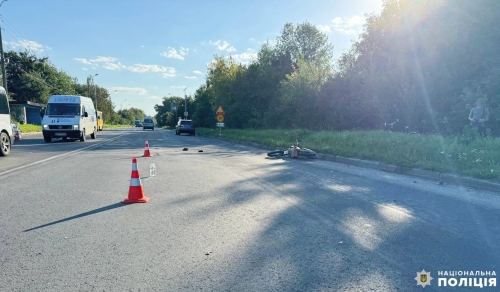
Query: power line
[
  {"x": 18, "y": 35},
  {"x": 14, "y": 37},
  {"x": 11, "y": 36}
]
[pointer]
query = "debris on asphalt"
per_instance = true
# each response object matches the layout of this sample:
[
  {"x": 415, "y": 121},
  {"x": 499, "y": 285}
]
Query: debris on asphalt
[
  {"x": 184, "y": 149},
  {"x": 200, "y": 150},
  {"x": 414, "y": 181},
  {"x": 441, "y": 182}
]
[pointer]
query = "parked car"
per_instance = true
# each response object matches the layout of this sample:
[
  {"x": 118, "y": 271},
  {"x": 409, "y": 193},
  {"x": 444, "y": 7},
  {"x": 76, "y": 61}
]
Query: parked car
[
  {"x": 148, "y": 123},
  {"x": 138, "y": 123},
  {"x": 6, "y": 133},
  {"x": 185, "y": 126}
]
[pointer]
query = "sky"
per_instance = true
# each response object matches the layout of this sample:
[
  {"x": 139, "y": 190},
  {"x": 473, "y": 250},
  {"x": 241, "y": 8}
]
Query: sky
[{"x": 145, "y": 50}]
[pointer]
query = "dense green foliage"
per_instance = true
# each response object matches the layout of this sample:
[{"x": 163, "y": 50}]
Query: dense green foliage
[
  {"x": 421, "y": 63},
  {"x": 165, "y": 116},
  {"x": 35, "y": 79}
]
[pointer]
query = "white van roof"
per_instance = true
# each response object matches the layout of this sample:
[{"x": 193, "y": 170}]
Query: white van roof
[{"x": 68, "y": 99}]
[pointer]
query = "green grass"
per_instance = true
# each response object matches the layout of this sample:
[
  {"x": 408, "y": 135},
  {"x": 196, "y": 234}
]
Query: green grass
[
  {"x": 29, "y": 128},
  {"x": 108, "y": 126},
  {"x": 467, "y": 155}
]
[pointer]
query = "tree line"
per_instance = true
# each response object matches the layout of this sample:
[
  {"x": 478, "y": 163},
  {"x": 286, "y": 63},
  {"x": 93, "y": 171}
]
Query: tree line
[
  {"x": 30, "y": 78},
  {"x": 419, "y": 64}
]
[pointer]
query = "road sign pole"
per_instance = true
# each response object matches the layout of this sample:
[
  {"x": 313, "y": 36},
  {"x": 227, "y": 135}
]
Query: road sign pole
[{"x": 219, "y": 116}]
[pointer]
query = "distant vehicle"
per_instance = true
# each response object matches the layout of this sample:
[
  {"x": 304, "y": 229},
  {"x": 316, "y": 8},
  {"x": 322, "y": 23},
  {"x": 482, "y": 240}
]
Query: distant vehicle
[
  {"x": 148, "y": 123},
  {"x": 138, "y": 123},
  {"x": 100, "y": 121},
  {"x": 6, "y": 135},
  {"x": 69, "y": 116},
  {"x": 185, "y": 126}
]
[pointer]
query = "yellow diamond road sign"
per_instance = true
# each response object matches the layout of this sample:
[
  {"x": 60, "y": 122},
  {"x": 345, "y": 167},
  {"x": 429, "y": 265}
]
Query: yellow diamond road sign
[{"x": 220, "y": 111}]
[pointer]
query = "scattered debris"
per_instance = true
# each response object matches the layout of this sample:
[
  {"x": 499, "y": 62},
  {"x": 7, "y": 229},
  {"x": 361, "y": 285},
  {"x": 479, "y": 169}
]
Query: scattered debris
[
  {"x": 184, "y": 149},
  {"x": 200, "y": 150}
]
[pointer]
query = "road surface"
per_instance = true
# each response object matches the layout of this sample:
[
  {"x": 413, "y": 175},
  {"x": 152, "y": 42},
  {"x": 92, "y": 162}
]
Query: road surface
[{"x": 228, "y": 219}]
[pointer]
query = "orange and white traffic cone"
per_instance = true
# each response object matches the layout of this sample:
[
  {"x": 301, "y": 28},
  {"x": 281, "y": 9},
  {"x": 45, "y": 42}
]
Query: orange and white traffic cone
[
  {"x": 146, "y": 150},
  {"x": 135, "y": 191}
]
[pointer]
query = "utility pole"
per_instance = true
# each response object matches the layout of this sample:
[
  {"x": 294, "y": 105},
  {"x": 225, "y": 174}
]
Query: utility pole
[
  {"x": 4, "y": 74},
  {"x": 95, "y": 94},
  {"x": 185, "y": 104},
  {"x": 88, "y": 85},
  {"x": 111, "y": 110},
  {"x": 90, "y": 82}
]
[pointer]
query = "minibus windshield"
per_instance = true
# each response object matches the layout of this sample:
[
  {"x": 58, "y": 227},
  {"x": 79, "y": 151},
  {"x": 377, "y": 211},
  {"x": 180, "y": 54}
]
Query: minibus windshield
[{"x": 63, "y": 109}]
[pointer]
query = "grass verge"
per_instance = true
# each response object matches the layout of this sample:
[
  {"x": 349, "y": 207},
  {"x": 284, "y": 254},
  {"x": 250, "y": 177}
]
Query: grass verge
[
  {"x": 29, "y": 128},
  {"x": 467, "y": 155},
  {"x": 107, "y": 126}
]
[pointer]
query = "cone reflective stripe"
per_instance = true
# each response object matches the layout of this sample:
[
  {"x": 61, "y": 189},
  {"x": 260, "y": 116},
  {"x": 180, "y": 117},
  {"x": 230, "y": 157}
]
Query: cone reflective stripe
[
  {"x": 135, "y": 191},
  {"x": 146, "y": 150},
  {"x": 135, "y": 171},
  {"x": 135, "y": 182}
]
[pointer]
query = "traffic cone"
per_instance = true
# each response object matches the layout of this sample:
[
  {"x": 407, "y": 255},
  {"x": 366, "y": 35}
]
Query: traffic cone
[
  {"x": 135, "y": 191},
  {"x": 146, "y": 150}
]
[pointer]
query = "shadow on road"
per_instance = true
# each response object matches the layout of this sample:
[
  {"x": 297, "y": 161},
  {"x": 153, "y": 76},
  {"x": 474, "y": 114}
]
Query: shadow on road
[
  {"x": 92, "y": 212},
  {"x": 334, "y": 234}
]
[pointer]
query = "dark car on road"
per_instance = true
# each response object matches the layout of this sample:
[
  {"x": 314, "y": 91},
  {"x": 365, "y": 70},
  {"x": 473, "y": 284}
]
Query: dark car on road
[
  {"x": 138, "y": 123},
  {"x": 148, "y": 123},
  {"x": 185, "y": 126}
]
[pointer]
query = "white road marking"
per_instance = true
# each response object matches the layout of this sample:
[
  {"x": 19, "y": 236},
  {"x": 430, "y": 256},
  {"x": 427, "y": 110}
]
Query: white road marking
[
  {"x": 44, "y": 144},
  {"x": 60, "y": 155}
]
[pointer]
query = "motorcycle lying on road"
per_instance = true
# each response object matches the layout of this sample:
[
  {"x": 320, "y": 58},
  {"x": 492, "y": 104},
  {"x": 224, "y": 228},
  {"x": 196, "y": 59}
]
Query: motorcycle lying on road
[{"x": 294, "y": 152}]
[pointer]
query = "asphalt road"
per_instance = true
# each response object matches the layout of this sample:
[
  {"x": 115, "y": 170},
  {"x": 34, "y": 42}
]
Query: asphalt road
[{"x": 228, "y": 219}]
